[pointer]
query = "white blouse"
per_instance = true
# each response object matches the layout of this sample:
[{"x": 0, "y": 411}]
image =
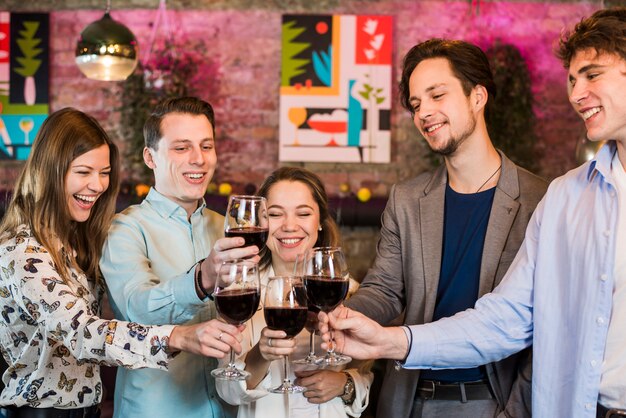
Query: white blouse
[
  {"x": 51, "y": 337},
  {"x": 259, "y": 402}
]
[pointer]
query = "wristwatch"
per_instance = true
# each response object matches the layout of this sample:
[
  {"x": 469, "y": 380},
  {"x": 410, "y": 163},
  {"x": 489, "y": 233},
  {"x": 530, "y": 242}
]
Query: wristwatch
[{"x": 349, "y": 393}]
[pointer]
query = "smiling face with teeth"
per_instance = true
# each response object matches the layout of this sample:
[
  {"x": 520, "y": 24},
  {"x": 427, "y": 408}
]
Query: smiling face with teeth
[
  {"x": 443, "y": 113},
  {"x": 184, "y": 160},
  {"x": 86, "y": 179},
  {"x": 597, "y": 82},
  {"x": 294, "y": 219}
]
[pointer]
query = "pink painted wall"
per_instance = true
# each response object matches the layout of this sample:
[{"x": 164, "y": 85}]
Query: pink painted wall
[{"x": 246, "y": 45}]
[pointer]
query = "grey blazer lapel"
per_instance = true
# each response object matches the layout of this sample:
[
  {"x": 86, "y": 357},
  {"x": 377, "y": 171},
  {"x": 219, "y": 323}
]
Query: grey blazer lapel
[
  {"x": 503, "y": 212},
  {"x": 431, "y": 208}
]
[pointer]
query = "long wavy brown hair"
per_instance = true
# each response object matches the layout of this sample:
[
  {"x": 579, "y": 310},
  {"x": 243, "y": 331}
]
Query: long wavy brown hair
[
  {"x": 39, "y": 199},
  {"x": 329, "y": 235}
]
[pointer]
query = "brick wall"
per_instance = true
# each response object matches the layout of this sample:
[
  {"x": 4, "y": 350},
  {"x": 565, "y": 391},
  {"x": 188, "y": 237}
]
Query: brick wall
[{"x": 244, "y": 39}]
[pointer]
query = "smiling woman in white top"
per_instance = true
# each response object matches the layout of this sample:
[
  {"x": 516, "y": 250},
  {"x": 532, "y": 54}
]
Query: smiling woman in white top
[{"x": 298, "y": 214}]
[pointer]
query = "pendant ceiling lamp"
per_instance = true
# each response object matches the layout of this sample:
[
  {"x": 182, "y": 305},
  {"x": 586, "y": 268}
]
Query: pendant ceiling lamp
[{"x": 107, "y": 50}]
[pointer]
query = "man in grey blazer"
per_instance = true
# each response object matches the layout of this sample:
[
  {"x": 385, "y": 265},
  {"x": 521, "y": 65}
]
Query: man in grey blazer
[{"x": 449, "y": 236}]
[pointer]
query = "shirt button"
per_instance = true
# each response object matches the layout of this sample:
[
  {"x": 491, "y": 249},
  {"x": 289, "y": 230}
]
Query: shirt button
[
  {"x": 607, "y": 233},
  {"x": 589, "y": 406},
  {"x": 593, "y": 363},
  {"x": 600, "y": 320},
  {"x": 603, "y": 277}
]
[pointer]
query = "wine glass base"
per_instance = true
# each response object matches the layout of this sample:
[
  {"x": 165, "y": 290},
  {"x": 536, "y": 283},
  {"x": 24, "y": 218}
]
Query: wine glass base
[
  {"x": 230, "y": 374},
  {"x": 288, "y": 389},
  {"x": 334, "y": 359},
  {"x": 309, "y": 360}
]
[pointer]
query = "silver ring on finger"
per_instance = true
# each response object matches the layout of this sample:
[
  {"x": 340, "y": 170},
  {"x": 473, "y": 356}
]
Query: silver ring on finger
[
  {"x": 220, "y": 336},
  {"x": 269, "y": 341}
]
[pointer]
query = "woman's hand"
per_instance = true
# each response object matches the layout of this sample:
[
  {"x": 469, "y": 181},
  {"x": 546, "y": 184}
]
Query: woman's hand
[
  {"x": 273, "y": 345},
  {"x": 211, "y": 339},
  {"x": 321, "y": 385}
]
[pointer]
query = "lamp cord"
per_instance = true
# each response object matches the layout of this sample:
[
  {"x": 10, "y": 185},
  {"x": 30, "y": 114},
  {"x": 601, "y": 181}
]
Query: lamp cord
[{"x": 108, "y": 9}]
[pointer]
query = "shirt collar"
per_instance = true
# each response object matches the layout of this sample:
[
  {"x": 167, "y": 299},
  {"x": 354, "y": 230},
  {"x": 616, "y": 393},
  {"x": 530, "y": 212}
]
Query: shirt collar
[
  {"x": 601, "y": 163},
  {"x": 166, "y": 207}
]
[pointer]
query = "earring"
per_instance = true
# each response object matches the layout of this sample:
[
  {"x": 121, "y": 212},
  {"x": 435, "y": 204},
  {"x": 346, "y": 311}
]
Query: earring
[{"x": 320, "y": 228}]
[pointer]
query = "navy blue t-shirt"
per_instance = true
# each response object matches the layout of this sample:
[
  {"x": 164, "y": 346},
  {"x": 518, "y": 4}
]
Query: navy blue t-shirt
[{"x": 465, "y": 227}]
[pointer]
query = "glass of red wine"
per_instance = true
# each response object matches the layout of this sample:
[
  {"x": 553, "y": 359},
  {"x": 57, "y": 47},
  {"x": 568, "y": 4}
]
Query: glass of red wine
[
  {"x": 246, "y": 217},
  {"x": 311, "y": 319},
  {"x": 237, "y": 295},
  {"x": 285, "y": 309},
  {"x": 326, "y": 279}
]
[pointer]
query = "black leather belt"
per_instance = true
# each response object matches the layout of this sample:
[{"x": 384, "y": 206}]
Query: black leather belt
[
  {"x": 467, "y": 391},
  {"x": 604, "y": 412},
  {"x": 28, "y": 412}
]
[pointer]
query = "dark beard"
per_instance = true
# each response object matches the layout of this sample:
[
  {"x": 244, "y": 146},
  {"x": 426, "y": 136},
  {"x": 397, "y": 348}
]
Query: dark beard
[{"x": 455, "y": 142}]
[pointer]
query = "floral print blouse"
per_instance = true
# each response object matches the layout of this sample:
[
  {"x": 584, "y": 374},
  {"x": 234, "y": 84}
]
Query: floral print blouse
[{"x": 51, "y": 336}]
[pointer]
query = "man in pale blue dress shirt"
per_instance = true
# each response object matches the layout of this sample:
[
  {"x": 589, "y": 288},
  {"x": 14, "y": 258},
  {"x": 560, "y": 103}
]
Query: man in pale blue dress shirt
[
  {"x": 160, "y": 261},
  {"x": 565, "y": 292}
]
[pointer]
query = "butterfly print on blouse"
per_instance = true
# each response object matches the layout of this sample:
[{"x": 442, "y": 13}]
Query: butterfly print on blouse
[
  {"x": 30, "y": 394},
  {"x": 9, "y": 271},
  {"x": 65, "y": 383},
  {"x": 81, "y": 395},
  {"x": 59, "y": 333},
  {"x": 157, "y": 345},
  {"x": 5, "y": 292},
  {"x": 12, "y": 370},
  {"x": 136, "y": 330},
  {"x": 50, "y": 307},
  {"x": 110, "y": 326},
  {"x": 18, "y": 338},
  {"x": 51, "y": 282},
  {"x": 35, "y": 249},
  {"x": 75, "y": 322},
  {"x": 32, "y": 308},
  {"x": 30, "y": 264},
  {"x": 5, "y": 313},
  {"x": 60, "y": 352}
]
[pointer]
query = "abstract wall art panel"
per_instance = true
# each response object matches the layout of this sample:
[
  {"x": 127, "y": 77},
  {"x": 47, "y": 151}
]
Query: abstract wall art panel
[
  {"x": 335, "y": 88},
  {"x": 24, "y": 76}
]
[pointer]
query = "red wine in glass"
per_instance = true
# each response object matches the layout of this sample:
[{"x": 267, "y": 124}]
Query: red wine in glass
[
  {"x": 326, "y": 279},
  {"x": 237, "y": 295},
  {"x": 246, "y": 217},
  {"x": 290, "y": 320},
  {"x": 237, "y": 306},
  {"x": 325, "y": 292},
  {"x": 311, "y": 318},
  {"x": 252, "y": 235}
]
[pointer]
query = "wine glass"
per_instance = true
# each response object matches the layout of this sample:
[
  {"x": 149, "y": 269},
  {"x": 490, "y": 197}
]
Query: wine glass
[
  {"x": 237, "y": 295},
  {"x": 246, "y": 217},
  {"x": 285, "y": 309},
  {"x": 311, "y": 319},
  {"x": 327, "y": 280}
]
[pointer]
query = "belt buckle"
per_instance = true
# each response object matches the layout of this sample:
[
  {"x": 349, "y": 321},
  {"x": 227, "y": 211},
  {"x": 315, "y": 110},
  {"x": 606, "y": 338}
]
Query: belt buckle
[
  {"x": 431, "y": 389},
  {"x": 615, "y": 413}
]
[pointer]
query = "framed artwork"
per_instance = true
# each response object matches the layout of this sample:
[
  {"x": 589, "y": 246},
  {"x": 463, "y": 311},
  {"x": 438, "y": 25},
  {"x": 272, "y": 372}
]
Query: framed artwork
[
  {"x": 24, "y": 74},
  {"x": 335, "y": 94}
]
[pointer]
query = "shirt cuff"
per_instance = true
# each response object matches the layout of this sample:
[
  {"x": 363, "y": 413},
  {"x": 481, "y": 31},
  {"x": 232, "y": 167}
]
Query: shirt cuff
[
  {"x": 185, "y": 290},
  {"x": 423, "y": 348}
]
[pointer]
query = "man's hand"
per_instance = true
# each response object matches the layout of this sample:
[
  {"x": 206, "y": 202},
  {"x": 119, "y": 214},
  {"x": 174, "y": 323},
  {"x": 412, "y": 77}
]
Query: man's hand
[
  {"x": 225, "y": 249},
  {"x": 321, "y": 385},
  {"x": 360, "y": 337}
]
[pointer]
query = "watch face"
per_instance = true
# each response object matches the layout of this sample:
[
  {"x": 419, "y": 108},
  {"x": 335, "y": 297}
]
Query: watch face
[{"x": 348, "y": 391}]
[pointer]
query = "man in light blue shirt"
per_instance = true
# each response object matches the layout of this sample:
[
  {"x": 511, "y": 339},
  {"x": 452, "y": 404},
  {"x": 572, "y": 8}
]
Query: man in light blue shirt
[
  {"x": 565, "y": 292},
  {"x": 160, "y": 262}
]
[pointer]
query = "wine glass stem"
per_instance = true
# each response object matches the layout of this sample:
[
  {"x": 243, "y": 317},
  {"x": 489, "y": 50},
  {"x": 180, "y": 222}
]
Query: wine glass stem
[
  {"x": 331, "y": 348},
  {"x": 286, "y": 380},
  {"x": 311, "y": 346},
  {"x": 231, "y": 363}
]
